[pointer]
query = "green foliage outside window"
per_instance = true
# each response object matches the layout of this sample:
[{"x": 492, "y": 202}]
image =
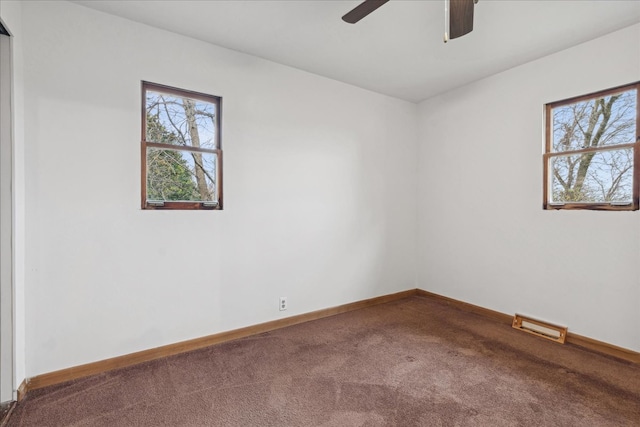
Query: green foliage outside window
[{"x": 168, "y": 174}]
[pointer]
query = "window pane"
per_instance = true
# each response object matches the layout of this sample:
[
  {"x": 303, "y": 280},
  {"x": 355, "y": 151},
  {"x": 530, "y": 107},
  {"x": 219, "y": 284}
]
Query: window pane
[
  {"x": 181, "y": 175},
  {"x": 180, "y": 121},
  {"x": 604, "y": 176},
  {"x": 598, "y": 122}
]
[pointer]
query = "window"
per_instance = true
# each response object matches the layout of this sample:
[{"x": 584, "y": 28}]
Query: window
[
  {"x": 181, "y": 149},
  {"x": 592, "y": 154}
]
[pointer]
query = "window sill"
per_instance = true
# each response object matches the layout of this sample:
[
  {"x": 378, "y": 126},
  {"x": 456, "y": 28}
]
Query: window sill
[
  {"x": 185, "y": 206},
  {"x": 591, "y": 206}
]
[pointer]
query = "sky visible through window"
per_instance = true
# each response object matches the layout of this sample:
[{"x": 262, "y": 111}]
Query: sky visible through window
[{"x": 603, "y": 172}]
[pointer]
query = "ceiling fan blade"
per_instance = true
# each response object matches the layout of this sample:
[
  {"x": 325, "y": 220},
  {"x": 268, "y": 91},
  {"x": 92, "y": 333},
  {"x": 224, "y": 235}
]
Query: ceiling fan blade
[
  {"x": 460, "y": 17},
  {"x": 362, "y": 10}
]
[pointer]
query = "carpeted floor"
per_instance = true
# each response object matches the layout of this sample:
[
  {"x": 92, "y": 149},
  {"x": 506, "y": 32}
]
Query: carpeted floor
[
  {"x": 5, "y": 411},
  {"x": 414, "y": 362}
]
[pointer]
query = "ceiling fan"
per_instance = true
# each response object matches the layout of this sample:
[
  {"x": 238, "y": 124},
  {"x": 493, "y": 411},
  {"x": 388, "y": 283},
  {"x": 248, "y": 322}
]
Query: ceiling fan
[{"x": 458, "y": 20}]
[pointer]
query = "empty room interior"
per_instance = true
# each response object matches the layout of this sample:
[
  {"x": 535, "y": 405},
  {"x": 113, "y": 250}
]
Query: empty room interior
[{"x": 257, "y": 213}]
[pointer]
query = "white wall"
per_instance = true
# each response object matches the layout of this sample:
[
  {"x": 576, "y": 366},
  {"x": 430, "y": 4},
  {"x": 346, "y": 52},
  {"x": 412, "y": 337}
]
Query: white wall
[
  {"x": 484, "y": 237},
  {"x": 320, "y": 195},
  {"x": 11, "y": 14},
  {"x": 320, "y": 182}
]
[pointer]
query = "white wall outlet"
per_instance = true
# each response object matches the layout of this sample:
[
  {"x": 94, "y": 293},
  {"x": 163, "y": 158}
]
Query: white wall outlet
[{"x": 283, "y": 303}]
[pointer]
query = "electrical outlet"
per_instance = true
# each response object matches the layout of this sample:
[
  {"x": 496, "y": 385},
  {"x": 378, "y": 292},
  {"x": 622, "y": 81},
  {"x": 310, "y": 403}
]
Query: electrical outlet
[{"x": 283, "y": 303}]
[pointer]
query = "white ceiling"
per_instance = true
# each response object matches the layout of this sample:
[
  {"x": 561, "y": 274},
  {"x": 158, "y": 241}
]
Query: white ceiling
[{"x": 398, "y": 49}]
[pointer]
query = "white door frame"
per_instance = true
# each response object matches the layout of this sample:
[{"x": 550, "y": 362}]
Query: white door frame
[{"x": 6, "y": 222}]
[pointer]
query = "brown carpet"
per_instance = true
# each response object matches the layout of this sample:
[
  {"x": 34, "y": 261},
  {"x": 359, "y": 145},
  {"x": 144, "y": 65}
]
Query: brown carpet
[
  {"x": 414, "y": 362},
  {"x": 5, "y": 411}
]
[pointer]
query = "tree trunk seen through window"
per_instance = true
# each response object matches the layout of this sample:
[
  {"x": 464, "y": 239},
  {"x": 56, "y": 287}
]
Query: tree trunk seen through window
[{"x": 190, "y": 114}]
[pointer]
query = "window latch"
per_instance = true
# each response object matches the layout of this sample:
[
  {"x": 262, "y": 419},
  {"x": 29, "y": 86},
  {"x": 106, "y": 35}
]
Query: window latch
[
  {"x": 156, "y": 203},
  {"x": 619, "y": 203},
  {"x": 210, "y": 204}
]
